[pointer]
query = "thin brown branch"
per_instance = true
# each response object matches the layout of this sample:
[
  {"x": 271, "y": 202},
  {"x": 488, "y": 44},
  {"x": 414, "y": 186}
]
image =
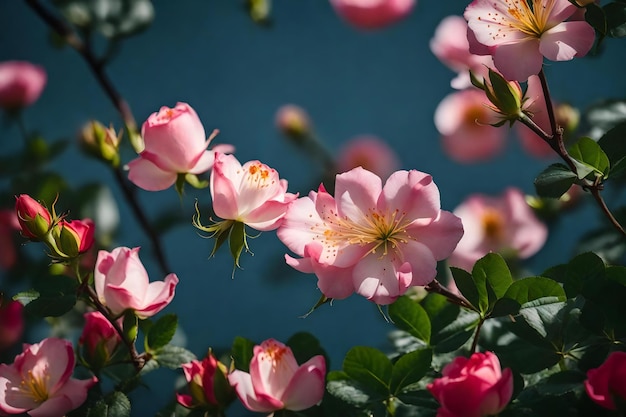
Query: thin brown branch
[{"x": 437, "y": 288}]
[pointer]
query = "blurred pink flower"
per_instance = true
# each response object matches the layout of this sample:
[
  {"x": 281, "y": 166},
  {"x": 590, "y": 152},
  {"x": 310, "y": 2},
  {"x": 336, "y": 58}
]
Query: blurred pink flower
[
  {"x": 473, "y": 387},
  {"x": 175, "y": 143},
  {"x": 462, "y": 118},
  {"x": 371, "y": 239},
  {"x": 277, "y": 382},
  {"x": 372, "y": 14},
  {"x": 122, "y": 283},
  {"x": 608, "y": 382},
  {"x": 504, "y": 224},
  {"x": 519, "y": 33},
  {"x": 451, "y": 46},
  {"x": 252, "y": 194},
  {"x": 11, "y": 322},
  {"x": 369, "y": 152},
  {"x": 39, "y": 382},
  {"x": 21, "y": 83},
  {"x": 293, "y": 121},
  {"x": 9, "y": 225}
]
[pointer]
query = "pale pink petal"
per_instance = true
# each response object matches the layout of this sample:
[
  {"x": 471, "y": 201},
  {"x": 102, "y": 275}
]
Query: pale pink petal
[
  {"x": 272, "y": 367},
  {"x": 506, "y": 59},
  {"x": 334, "y": 282},
  {"x": 12, "y": 401},
  {"x": 567, "y": 40},
  {"x": 423, "y": 263},
  {"x": 491, "y": 23},
  {"x": 529, "y": 234},
  {"x": 474, "y": 143},
  {"x": 144, "y": 174},
  {"x": 376, "y": 279},
  {"x": 372, "y": 14},
  {"x": 225, "y": 179},
  {"x": 242, "y": 383},
  {"x": 441, "y": 236},
  {"x": 300, "y": 264},
  {"x": 307, "y": 385},
  {"x": 356, "y": 192},
  {"x": 404, "y": 188},
  {"x": 259, "y": 184},
  {"x": 268, "y": 216},
  {"x": 560, "y": 10},
  {"x": 204, "y": 163},
  {"x": 299, "y": 225},
  {"x": 158, "y": 295}
]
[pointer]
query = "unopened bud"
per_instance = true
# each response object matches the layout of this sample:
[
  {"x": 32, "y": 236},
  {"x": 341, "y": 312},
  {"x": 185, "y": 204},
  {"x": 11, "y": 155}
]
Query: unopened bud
[
  {"x": 35, "y": 220},
  {"x": 567, "y": 117},
  {"x": 293, "y": 121},
  {"x": 505, "y": 96},
  {"x": 74, "y": 237},
  {"x": 101, "y": 142}
]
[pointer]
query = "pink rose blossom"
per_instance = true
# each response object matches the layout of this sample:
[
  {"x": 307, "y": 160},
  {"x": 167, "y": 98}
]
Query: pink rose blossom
[
  {"x": 11, "y": 322},
  {"x": 21, "y": 83},
  {"x": 122, "y": 283},
  {"x": 372, "y": 14},
  {"x": 504, "y": 224},
  {"x": 175, "y": 143},
  {"x": 463, "y": 119},
  {"x": 40, "y": 383},
  {"x": 252, "y": 194},
  {"x": 371, "y": 239},
  {"x": 451, "y": 47},
  {"x": 9, "y": 225},
  {"x": 474, "y": 387},
  {"x": 519, "y": 33},
  {"x": 276, "y": 382},
  {"x": 608, "y": 381},
  {"x": 99, "y": 339},
  {"x": 368, "y": 152}
]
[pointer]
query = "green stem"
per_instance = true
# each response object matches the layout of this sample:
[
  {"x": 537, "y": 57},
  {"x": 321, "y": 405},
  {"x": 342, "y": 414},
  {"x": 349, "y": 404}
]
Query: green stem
[{"x": 476, "y": 335}]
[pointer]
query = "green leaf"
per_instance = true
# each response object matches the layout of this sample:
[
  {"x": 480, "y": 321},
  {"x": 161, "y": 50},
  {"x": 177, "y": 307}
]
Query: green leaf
[
  {"x": 371, "y": 368},
  {"x": 173, "y": 357},
  {"x": 161, "y": 332},
  {"x": 340, "y": 385},
  {"x": 115, "y": 404},
  {"x": 411, "y": 317},
  {"x": 466, "y": 285},
  {"x": 613, "y": 143},
  {"x": 305, "y": 346},
  {"x": 454, "y": 335},
  {"x": 410, "y": 368},
  {"x": 616, "y": 19},
  {"x": 582, "y": 273},
  {"x": 554, "y": 181},
  {"x": 595, "y": 16},
  {"x": 492, "y": 278},
  {"x": 26, "y": 297},
  {"x": 241, "y": 353},
  {"x": 57, "y": 296},
  {"x": 590, "y": 158}
]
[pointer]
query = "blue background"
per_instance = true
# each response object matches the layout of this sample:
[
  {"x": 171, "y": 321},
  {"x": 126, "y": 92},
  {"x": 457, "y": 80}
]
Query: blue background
[{"x": 236, "y": 75}]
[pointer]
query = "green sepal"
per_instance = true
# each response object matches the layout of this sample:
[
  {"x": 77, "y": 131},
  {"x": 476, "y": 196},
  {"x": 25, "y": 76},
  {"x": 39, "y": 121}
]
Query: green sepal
[
  {"x": 131, "y": 325},
  {"x": 237, "y": 241},
  {"x": 195, "y": 181}
]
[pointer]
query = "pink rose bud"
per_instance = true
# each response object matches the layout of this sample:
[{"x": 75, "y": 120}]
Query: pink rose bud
[
  {"x": 368, "y": 14},
  {"x": 208, "y": 384},
  {"x": 76, "y": 236},
  {"x": 43, "y": 373},
  {"x": 35, "y": 220},
  {"x": 21, "y": 83},
  {"x": 11, "y": 323},
  {"x": 293, "y": 121},
  {"x": 122, "y": 283},
  {"x": 175, "y": 143},
  {"x": 99, "y": 339},
  {"x": 276, "y": 382},
  {"x": 474, "y": 387},
  {"x": 607, "y": 383}
]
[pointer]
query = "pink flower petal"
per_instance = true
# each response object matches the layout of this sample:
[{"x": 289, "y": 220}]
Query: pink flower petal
[
  {"x": 144, "y": 174},
  {"x": 567, "y": 40},
  {"x": 507, "y": 60},
  {"x": 261, "y": 403},
  {"x": 306, "y": 387}
]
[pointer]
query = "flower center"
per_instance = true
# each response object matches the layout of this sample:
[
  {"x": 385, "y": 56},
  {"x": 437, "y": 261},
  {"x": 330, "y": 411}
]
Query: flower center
[
  {"x": 35, "y": 386},
  {"x": 274, "y": 352},
  {"x": 531, "y": 19},
  {"x": 259, "y": 175},
  {"x": 493, "y": 224}
]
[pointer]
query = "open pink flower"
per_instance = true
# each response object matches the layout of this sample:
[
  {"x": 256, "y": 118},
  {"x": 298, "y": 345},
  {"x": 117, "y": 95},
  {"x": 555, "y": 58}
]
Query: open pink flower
[
  {"x": 373, "y": 239},
  {"x": 504, "y": 224},
  {"x": 462, "y": 118},
  {"x": 252, "y": 194},
  {"x": 451, "y": 46},
  {"x": 519, "y": 33},
  {"x": 175, "y": 143},
  {"x": 276, "y": 382},
  {"x": 372, "y": 14},
  {"x": 122, "y": 283},
  {"x": 608, "y": 381},
  {"x": 21, "y": 83},
  {"x": 40, "y": 383},
  {"x": 368, "y": 152},
  {"x": 473, "y": 387}
]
